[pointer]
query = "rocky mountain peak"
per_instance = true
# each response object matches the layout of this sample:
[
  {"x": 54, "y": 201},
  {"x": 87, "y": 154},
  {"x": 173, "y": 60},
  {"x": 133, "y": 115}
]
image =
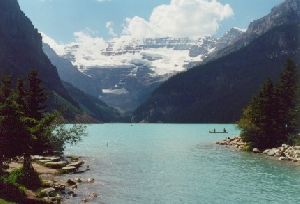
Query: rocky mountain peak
[
  {"x": 232, "y": 35},
  {"x": 287, "y": 12}
]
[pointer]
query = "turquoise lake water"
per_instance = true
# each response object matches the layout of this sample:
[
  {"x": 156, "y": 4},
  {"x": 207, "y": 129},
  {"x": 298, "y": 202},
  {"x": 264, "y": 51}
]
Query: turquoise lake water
[{"x": 179, "y": 164}]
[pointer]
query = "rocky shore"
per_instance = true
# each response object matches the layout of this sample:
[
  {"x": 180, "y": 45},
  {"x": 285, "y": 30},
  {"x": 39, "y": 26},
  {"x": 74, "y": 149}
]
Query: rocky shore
[
  {"x": 55, "y": 173},
  {"x": 283, "y": 153}
]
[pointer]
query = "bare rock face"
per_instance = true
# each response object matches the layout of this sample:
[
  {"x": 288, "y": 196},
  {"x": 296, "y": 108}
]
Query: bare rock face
[{"x": 286, "y": 13}]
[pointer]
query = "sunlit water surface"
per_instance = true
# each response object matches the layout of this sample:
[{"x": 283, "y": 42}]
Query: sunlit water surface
[{"x": 172, "y": 164}]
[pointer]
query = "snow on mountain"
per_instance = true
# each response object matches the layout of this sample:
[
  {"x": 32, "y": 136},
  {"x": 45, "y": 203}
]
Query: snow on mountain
[
  {"x": 161, "y": 55},
  {"x": 129, "y": 69}
]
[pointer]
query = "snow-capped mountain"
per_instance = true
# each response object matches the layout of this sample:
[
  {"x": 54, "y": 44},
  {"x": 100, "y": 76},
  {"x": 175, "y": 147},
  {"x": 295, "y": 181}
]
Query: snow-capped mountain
[
  {"x": 161, "y": 55},
  {"x": 129, "y": 69}
]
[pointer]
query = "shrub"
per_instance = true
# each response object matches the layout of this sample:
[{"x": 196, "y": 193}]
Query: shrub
[{"x": 18, "y": 177}]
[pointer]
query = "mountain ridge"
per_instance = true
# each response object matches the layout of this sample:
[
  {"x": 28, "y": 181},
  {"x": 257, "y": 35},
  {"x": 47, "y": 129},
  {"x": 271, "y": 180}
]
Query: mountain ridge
[{"x": 217, "y": 91}]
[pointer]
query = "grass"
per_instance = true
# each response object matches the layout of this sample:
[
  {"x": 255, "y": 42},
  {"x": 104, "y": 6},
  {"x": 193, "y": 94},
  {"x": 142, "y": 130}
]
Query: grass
[{"x": 5, "y": 202}]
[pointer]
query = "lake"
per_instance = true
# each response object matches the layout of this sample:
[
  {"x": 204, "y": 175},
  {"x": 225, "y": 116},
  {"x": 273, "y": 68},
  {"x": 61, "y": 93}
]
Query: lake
[{"x": 179, "y": 164}]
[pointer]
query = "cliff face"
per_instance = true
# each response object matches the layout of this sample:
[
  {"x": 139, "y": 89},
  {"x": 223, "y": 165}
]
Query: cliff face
[
  {"x": 286, "y": 13},
  {"x": 21, "y": 48}
]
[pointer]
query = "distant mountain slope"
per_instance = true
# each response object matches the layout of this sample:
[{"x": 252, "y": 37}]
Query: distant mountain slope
[
  {"x": 217, "y": 91},
  {"x": 21, "y": 49},
  {"x": 93, "y": 106},
  {"x": 71, "y": 74}
]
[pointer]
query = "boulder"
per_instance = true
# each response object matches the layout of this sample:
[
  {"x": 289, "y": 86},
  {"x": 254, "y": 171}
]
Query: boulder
[
  {"x": 283, "y": 158},
  {"x": 37, "y": 157},
  {"x": 285, "y": 146},
  {"x": 297, "y": 147},
  {"x": 76, "y": 164},
  {"x": 56, "y": 165},
  {"x": 43, "y": 161},
  {"x": 69, "y": 169},
  {"x": 53, "y": 159},
  {"x": 255, "y": 150},
  {"x": 297, "y": 153},
  {"x": 272, "y": 152}
]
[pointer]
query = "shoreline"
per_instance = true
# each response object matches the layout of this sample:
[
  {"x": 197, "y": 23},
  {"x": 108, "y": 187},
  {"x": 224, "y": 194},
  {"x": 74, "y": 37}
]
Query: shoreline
[
  {"x": 284, "y": 153},
  {"x": 57, "y": 175}
]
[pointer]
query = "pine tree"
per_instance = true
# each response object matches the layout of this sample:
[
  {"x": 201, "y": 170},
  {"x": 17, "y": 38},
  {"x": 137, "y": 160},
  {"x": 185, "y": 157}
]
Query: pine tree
[
  {"x": 21, "y": 96},
  {"x": 286, "y": 99},
  {"x": 257, "y": 122},
  {"x": 270, "y": 118},
  {"x": 36, "y": 97},
  {"x": 13, "y": 128}
]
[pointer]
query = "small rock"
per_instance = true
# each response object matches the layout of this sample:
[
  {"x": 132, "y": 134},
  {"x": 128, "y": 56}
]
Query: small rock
[
  {"x": 70, "y": 182},
  {"x": 255, "y": 150},
  {"x": 72, "y": 194},
  {"x": 59, "y": 187},
  {"x": 93, "y": 195},
  {"x": 85, "y": 200},
  {"x": 48, "y": 183},
  {"x": 74, "y": 187},
  {"x": 78, "y": 180},
  {"x": 91, "y": 180},
  {"x": 49, "y": 192}
]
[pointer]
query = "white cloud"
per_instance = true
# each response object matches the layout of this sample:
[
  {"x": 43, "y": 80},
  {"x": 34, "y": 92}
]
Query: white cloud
[
  {"x": 180, "y": 18},
  {"x": 86, "y": 48},
  {"x": 110, "y": 26}
]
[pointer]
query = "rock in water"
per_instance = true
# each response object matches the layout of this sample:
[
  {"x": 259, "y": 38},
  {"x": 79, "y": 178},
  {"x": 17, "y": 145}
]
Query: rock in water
[
  {"x": 91, "y": 180},
  {"x": 70, "y": 182},
  {"x": 255, "y": 150}
]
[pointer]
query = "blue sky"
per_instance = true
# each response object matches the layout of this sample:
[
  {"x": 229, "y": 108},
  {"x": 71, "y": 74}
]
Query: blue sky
[{"x": 61, "y": 18}]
